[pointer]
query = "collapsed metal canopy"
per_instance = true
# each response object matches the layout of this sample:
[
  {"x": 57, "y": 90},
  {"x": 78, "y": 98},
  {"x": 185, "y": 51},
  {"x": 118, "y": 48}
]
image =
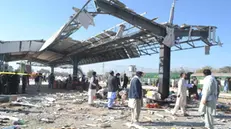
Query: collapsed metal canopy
[{"x": 140, "y": 37}]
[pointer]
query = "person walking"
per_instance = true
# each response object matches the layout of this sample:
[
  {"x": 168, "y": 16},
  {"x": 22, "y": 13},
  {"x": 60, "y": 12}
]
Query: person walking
[
  {"x": 135, "y": 96},
  {"x": 209, "y": 99},
  {"x": 181, "y": 100}
]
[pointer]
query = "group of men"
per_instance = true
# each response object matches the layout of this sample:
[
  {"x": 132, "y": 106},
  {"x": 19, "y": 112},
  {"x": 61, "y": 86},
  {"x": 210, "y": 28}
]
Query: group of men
[
  {"x": 9, "y": 83},
  {"x": 135, "y": 95},
  {"x": 135, "y": 92},
  {"x": 113, "y": 84}
]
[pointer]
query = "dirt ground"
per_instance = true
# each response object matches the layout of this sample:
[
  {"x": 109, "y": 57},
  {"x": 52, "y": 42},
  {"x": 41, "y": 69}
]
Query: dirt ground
[{"x": 54, "y": 109}]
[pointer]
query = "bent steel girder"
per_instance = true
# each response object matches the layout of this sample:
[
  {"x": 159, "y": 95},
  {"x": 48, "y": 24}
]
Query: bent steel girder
[
  {"x": 159, "y": 30},
  {"x": 68, "y": 29},
  {"x": 130, "y": 17}
]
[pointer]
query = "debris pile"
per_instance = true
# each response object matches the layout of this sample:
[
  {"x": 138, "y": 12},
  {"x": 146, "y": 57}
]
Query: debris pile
[
  {"x": 57, "y": 111},
  {"x": 71, "y": 111},
  {"x": 225, "y": 108}
]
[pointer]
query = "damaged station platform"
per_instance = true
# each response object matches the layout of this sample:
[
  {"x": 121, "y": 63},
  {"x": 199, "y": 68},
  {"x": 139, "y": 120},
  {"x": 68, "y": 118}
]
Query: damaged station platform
[{"x": 137, "y": 36}]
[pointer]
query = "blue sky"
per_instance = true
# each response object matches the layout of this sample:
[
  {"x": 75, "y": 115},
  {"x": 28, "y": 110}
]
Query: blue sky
[{"x": 29, "y": 19}]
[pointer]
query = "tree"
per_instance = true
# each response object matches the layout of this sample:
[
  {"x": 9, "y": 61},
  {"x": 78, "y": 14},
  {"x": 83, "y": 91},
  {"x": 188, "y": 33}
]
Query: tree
[
  {"x": 226, "y": 69},
  {"x": 106, "y": 75},
  {"x": 206, "y": 67},
  {"x": 89, "y": 73},
  {"x": 44, "y": 71}
]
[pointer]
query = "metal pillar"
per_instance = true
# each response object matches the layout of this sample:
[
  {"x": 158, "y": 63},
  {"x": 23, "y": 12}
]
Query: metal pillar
[
  {"x": 52, "y": 69},
  {"x": 75, "y": 61},
  {"x": 165, "y": 62},
  {"x": 164, "y": 70}
]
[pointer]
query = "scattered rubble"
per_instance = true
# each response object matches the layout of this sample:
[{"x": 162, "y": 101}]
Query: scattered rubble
[{"x": 70, "y": 110}]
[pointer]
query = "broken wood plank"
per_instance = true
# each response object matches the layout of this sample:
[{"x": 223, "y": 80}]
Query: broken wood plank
[
  {"x": 92, "y": 125},
  {"x": 23, "y": 104},
  {"x": 148, "y": 118}
]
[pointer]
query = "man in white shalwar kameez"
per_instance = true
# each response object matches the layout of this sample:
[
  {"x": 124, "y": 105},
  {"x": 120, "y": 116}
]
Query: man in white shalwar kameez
[
  {"x": 209, "y": 99},
  {"x": 181, "y": 100},
  {"x": 92, "y": 88}
]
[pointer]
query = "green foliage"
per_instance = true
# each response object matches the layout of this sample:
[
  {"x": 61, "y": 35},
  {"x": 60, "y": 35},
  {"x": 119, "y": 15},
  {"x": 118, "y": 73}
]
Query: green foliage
[
  {"x": 89, "y": 73},
  {"x": 226, "y": 69},
  {"x": 43, "y": 71},
  {"x": 203, "y": 68}
]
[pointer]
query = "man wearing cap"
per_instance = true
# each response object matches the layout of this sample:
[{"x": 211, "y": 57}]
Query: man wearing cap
[
  {"x": 112, "y": 89},
  {"x": 209, "y": 99},
  {"x": 135, "y": 97}
]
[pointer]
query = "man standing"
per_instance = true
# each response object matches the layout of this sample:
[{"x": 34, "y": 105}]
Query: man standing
[
  {"x": 181, "y": 100},
  {"x": 92, "y": 88},
  {"x": 209, "y": 99},
  {"x": 112, "y": 88},
  {"x": 135, "y": 97},
  {"x": 14, "y": 83},
  {"x": 51, "y": 79},
  {"x": 38, "y": 81},
  {"x": 125, "y": 81},
  {"x": 193, "y": 90},
  {"x": 218, "y": 86},
  {"x": 25, "y": 80},
  {"x": 226, "y": 85},
  {"x": 118, "y": 80}
]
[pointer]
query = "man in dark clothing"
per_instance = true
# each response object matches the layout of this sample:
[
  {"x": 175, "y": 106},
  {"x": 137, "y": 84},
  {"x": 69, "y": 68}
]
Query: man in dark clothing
[
  {"x": 1, "y": 84},
  {"x": 14, "y": 83},
  {"x": 125, "y": 82},
  {"x": 112, "y": 88},
  {"x": 51, "y": 80},
  {"x": 25, "y": 79},
  {"x": 193, "y": 90},
  {"x": 118, "y": 79},
  {"x": 218, "y": 86},
  {"x": 135, "y": 97},
  {"x": 5, "y": 84}
]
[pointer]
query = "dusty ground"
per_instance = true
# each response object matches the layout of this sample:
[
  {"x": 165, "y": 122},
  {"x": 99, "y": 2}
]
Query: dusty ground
[{"x": 69, "y": 109}]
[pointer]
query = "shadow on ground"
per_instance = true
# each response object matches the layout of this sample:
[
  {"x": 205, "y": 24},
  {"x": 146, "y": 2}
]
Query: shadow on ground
[
  {"x": 223, "y": 117},
  {"x": 175, "y": 123},
  {"x": 32, "y": 91}
]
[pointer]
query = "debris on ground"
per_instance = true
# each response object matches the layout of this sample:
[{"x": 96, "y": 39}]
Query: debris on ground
[{"x": 70, "y": 110}]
